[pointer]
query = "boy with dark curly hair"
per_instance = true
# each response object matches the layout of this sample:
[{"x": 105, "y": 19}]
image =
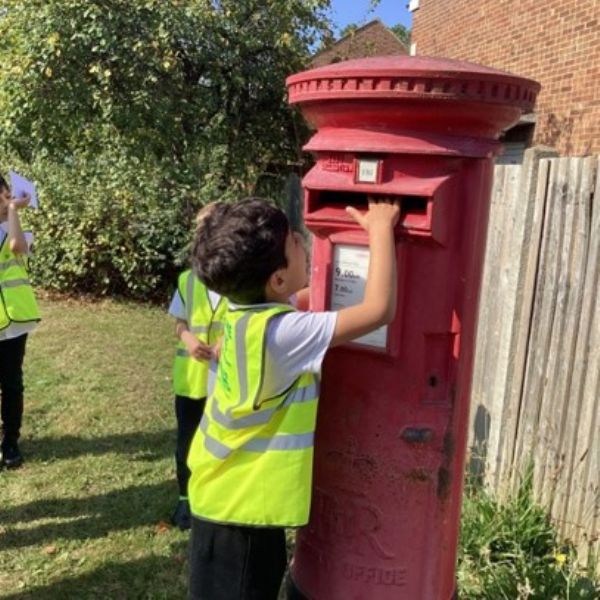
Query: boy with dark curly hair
[{"x": 251, "y": 458}]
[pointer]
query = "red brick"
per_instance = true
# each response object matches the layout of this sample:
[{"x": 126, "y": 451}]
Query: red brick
[
  {"x": 372, "y": 39},
  {"x": 555, "y": 42}
]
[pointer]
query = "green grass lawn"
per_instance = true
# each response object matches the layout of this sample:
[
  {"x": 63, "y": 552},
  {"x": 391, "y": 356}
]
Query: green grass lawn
[{"x": 86, "y": 516}]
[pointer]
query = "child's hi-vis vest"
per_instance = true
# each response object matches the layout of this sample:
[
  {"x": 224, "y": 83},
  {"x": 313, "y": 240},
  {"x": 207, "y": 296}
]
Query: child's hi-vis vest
[
  {"x": 17, "y": 300},
  {"x": 251, "y": 458},
  {"x": 190, "y": 376}
]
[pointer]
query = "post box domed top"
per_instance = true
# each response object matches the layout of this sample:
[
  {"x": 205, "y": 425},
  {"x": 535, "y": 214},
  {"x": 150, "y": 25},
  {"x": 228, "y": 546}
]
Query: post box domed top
[
  {"x": 413, "y": 77},
  {"x": 413, "y": 92}
]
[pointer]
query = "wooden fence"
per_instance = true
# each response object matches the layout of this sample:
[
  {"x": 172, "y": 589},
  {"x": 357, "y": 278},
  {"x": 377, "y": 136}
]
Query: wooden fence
[{"x": 536, "y": 386}]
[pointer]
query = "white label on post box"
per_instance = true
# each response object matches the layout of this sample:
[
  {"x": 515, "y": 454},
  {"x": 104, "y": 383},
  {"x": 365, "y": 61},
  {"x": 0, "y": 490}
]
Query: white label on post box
[
  {"x": 350, "y": 266},
  {"x": 367, "y": 170}
]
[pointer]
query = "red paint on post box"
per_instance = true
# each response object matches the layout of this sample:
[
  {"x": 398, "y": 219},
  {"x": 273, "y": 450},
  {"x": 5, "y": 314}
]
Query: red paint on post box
[{"x": 394, "y": 407}]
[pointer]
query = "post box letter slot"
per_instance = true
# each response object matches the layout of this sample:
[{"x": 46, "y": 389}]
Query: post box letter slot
[
  {"x": 332, "y": 204},
  {"x": 416, "y": 212}
]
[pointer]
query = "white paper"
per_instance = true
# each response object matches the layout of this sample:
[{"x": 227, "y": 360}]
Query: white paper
[
  {"x": 349, "y": 277},
  {"x": 20, "y": 186}
]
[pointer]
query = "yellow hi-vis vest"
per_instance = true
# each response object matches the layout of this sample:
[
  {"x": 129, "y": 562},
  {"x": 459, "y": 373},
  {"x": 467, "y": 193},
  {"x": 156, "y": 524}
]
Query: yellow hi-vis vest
[
  {"x": 251, "y": 458},
  {"x": 17, "y": 300},
  {"x": 190, "y": 376}
]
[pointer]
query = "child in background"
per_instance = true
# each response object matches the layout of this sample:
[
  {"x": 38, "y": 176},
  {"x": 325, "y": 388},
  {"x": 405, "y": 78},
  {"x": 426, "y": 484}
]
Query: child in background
[
  {"x": 18, "y": 317},
  {"x": 199, "y": 313},
  {"x": 251, "y": 458}
]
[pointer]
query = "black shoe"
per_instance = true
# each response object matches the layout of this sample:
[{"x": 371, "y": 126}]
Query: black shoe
[
  {"x": 181, "y": 517},
  {"x": 11, "y": 456}
]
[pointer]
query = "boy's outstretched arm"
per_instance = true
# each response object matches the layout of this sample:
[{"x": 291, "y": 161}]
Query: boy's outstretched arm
[{"x": 379, "y": 304}]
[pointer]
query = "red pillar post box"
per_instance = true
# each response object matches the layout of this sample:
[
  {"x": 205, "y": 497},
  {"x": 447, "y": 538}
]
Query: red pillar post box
[{"x": 393, "y": 415}]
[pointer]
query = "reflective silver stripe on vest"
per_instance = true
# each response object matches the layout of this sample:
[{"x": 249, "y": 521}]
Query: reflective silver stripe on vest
[
  {"x": 240, "y": 356},
  {"x": 189, "y": 301},
  {"x": 300, "y": 441},
  {"x": 13, "y": 262},
  {"x": 257, "y": 418},
  {"x": 14, "y": 283},
  {"x": 199, "y": 329},
  {"x": 215, "y": 326},
  {"x": 303, "y": 394},
  {"x": 213, "y": 446},
  {"x": 182, "y": 352}
]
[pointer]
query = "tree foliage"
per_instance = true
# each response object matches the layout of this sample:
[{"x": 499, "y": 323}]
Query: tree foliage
[
  {"x": 349, "y": 29},
  {"x": 120, "y": 108},
  {"x": 402, "y": 33}
]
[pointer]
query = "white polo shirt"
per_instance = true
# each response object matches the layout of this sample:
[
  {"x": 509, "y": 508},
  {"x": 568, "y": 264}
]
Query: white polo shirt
[{"x": 296, "y": 344}]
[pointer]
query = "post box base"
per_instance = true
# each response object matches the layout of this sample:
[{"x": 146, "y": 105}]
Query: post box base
[{"x": 293, "y": 593}]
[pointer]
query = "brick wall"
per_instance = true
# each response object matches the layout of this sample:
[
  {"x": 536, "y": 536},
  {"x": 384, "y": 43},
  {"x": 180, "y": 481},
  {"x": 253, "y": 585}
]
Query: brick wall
[
  {"x": 556, "y": 42},
  {"x": 373, "y": 39}
]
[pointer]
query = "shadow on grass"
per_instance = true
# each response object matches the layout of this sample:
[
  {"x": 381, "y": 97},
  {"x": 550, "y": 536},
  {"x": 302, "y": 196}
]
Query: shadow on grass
[
  {"x": 87, "y": 517},
  {"x": 148, "y": 445},
  {"x": 151, "y": 577}
]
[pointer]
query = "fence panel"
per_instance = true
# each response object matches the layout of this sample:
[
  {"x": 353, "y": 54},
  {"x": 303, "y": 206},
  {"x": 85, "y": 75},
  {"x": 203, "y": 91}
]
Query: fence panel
[{"x": 536, "y": 383}]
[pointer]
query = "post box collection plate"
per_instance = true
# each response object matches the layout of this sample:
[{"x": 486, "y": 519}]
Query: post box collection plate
[
  {"x": 349, "y": 275},
  {"x": 368, "y": 170}
]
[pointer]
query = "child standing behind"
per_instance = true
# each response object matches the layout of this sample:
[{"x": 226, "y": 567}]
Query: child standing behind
[
  {"x": 18, "y": 317},
  {"x": 199, "y": 313},
  {"x": 251, "y": 458}
]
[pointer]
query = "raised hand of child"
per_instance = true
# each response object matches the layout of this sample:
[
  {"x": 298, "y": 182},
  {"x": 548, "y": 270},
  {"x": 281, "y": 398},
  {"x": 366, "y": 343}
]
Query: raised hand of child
[
  {"x": 382, "y": 212},
  {"x": 21, "y": 202}
]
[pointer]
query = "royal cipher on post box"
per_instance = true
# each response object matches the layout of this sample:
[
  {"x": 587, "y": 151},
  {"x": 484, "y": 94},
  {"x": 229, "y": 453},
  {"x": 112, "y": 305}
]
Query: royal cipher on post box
[{"x": 394, "y": 405}]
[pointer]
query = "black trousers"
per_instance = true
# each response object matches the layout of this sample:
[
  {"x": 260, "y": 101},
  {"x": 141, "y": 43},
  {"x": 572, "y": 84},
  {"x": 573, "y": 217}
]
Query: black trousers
[
  {"x": 230, "y": 562},
  {"x": 188, "y": 412},
  {"x": 12, "y": 352}
]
